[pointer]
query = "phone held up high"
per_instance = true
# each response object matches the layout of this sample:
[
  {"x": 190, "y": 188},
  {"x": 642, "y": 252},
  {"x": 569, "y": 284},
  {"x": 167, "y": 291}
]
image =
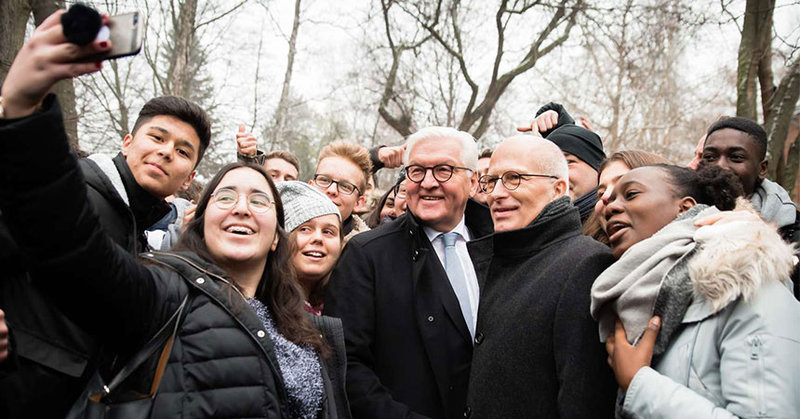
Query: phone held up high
[{"x": 126, "y": 32}]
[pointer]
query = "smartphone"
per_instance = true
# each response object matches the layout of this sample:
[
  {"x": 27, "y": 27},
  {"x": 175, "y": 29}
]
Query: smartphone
[{"x": 126, "y": 33}]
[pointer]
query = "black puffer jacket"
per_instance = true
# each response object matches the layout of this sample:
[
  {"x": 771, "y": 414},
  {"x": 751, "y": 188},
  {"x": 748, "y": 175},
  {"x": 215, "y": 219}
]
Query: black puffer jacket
[{"x": 222, "y": 363}]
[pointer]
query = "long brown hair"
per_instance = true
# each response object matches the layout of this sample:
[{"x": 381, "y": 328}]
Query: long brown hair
[
  {"x": 278, "y": 289},
  {"x": 632, "y": 159}
]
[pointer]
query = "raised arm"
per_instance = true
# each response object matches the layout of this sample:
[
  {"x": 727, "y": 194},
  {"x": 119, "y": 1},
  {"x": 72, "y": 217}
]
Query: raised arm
[{"x": 43, "y": 199}]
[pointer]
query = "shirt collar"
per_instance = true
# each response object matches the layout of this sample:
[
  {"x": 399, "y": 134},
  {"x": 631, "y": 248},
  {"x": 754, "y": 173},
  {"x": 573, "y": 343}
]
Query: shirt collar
[{"x": 460, "y": 228}]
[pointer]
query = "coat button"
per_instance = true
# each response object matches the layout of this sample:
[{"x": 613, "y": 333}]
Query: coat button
[
  {"x": 430, "y": 319},
  {"x": 261, "y": 333},
  {"x": 200, "y": 281},
  {"x": 416, "y": 254},
  {"x": 479, "y": 338},
  {"x": 467, "y": 412}
]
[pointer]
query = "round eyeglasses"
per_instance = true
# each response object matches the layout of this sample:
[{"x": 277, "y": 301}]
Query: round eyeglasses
[
  {"x": 343, "y": 186},
  {"x": 226, "y": 199},
  {"x": 441, "y": 172},
  {"x": 510, "y": 180}
]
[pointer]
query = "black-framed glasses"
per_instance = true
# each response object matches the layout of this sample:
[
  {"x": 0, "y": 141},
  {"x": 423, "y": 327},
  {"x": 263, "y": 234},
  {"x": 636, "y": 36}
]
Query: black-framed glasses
[
  {"x": 226, "y": 199},
  {"x": 343, "y": 186},
  {"x": 510, "y": 179},
  {"x": 441, "y": 172}
]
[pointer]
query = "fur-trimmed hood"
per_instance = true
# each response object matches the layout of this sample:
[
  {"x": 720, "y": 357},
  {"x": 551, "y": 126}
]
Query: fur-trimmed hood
[{"x": 734, "y": 258}]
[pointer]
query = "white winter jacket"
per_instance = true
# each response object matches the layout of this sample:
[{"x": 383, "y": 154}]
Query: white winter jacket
[{"x": 738, "y": 351}]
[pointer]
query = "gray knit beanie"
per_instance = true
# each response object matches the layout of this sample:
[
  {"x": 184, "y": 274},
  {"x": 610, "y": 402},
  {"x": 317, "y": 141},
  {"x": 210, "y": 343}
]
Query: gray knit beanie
[{"x": 302, "y": 202}]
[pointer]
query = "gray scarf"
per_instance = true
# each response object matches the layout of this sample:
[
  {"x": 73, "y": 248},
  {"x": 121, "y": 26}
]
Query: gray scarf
[
  {"x": 650, "y": 278},
  {"x": 774, "y": 203}
]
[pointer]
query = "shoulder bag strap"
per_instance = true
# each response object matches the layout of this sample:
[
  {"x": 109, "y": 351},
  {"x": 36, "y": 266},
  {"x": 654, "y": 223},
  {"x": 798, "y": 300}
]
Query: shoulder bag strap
[{"x": 163, "y": 339}]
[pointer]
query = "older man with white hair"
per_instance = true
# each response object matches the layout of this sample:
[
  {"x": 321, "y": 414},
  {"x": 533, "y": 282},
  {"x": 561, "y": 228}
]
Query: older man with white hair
[
  {"x": 407, "y": 292},
  {"x": 536, "y": 350}
]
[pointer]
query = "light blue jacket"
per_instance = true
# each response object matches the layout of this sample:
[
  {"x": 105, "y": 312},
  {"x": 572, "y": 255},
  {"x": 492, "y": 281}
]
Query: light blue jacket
[{"x": 743, "y": 360}]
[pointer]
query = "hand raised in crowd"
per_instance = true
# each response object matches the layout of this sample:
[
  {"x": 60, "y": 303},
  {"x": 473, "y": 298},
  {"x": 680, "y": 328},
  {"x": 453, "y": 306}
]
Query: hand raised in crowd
[
  {"x": 44, "y": 60},
  {"x": 543, "y": 123},
  {"x": 392, "y": 157},
  {"x": 188, "y": 216},
  {"x": 625, "y": 359},
  {"x": 586, "y": 123},
  {"x": 3, "y": 337},
  {"x": 549, "y": 120},
  {"x": 246, "y": 143}
]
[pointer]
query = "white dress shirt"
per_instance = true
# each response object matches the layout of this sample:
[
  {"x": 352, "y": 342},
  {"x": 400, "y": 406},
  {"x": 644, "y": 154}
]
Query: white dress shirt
[{"x": 466, "y": 263}]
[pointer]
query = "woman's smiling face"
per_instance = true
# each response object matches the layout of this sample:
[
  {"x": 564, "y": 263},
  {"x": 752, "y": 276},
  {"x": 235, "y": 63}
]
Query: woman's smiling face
[
  {"x": 319, "y": 244},
  {"x": 238, "y": 234}
]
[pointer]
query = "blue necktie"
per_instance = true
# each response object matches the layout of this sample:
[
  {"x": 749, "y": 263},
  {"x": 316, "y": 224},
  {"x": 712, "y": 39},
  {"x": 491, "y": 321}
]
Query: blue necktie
[{"x": 458, "y": 280}]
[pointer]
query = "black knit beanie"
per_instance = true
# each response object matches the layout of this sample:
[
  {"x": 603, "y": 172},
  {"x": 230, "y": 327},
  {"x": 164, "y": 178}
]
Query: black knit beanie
[{"x": 580, "y": 142}]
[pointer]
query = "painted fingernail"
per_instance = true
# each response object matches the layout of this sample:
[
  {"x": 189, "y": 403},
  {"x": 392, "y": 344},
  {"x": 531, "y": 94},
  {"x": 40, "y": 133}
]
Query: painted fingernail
[
  {"x": 104, "y": 44},
  {"x": 98, "y": 65}
]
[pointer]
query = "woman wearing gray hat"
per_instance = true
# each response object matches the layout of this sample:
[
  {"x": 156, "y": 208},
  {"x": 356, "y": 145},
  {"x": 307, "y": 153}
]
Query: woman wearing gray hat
[{"x": 315, "y": 238}]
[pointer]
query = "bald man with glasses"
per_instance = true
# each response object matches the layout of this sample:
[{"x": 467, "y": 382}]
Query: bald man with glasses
[{"x": 538, "y": 352}]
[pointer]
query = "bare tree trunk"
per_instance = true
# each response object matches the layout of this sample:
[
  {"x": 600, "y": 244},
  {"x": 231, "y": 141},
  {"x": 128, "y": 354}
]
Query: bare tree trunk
[
  {"x": 13, "y": 18},
  {"x": 283, "y": 102},
  {"x": 783, "y": 104},
  {"x": 65, "y": 89},
  {"x": 178, "y": 77},
  {"x": 754, "y": 53}
]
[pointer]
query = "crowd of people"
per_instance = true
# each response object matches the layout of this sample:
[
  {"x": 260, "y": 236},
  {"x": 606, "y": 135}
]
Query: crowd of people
[{"x": 540, "y": 279}]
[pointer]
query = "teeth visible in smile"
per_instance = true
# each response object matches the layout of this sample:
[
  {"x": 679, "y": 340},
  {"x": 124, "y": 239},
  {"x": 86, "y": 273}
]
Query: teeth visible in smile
[
  {"x": 431, "y": 198},
  {"x": 239, "y": 230},
  {"x": 314, "y": 254}
]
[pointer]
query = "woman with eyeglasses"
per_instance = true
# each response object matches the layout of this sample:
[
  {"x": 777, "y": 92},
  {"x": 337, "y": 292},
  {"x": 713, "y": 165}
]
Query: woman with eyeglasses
[
  {"x": 697, "y": 313},
  {"x": 244, "y": 347}
]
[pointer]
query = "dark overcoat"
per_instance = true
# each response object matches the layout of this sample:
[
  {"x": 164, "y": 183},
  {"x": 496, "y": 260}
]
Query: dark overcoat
[
  {"x": 537, "y": 351},
  {"x": 408, "y": 346}
]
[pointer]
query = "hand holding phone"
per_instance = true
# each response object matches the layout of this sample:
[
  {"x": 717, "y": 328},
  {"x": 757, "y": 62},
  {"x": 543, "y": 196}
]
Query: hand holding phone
[
  {"x": 125, "y": 32},
  {"x": 44, "y": 59}
]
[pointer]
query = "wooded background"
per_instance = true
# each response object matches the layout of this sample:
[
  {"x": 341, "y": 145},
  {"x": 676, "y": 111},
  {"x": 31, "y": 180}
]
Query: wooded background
[{"x": 649, "y": 74}]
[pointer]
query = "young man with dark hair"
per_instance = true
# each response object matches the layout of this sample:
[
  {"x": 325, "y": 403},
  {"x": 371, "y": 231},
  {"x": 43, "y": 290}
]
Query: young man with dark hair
[
  {"x": 740, "y": 145},
  {"x": 51, "y": 359},
  {"x": 282, "y": 165}
]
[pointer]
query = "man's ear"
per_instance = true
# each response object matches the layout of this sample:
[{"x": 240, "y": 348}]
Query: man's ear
[
  {"x": 362, "y": 201},
  {"x": 561, "y": 188},
  {"x": 762, "y": 172},
  {"x": 188, "y": 181},
  {"x": 686, "y": 203},
  {"x": 126, "y": 143},
  {"x": 473, "y": 185}
]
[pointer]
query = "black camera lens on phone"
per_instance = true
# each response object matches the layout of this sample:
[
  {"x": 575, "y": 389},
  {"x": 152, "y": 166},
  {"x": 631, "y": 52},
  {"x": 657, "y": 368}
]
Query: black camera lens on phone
[{"x": 81, "y": 24}]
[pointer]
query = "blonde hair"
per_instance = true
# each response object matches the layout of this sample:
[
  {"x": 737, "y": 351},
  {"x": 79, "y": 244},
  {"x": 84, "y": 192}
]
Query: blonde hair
[{"x": 356, "y": 154}]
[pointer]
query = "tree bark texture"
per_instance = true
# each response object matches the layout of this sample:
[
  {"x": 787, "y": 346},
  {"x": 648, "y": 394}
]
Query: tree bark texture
[
  {"x": 283, "y": 102},
  {"x": 178, "y": 77},
  {"x": 14, "y": 16},
  {"x": 754, "y": 62},
  {"x": 783, "y": 165}
]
